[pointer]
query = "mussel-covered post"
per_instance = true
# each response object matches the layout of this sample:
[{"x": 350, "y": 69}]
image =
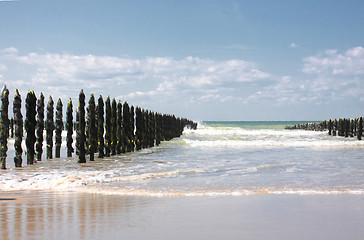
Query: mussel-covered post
[
  {"x": 119, "y": 133},
  {"x": 113, "y": 127},
  {"x": 139, "y": 128},
  {"x": 18, "y": 121},
  {"x": 69, "y": 128},
  {"x": 40, "y": 127},
  {"x": 107, "y": 127},
  {"x": 59, "y": 127},
  {"x": 4, "y": 126},
  {"x": 360, "y": 128},
  {"x": 100, "y": 126},
  {"x": 126, "y": 127},
  {"x": 30, "y": 123},
  {"x": 81, "y": 137},
  {"x": 132, "y": 127},
  {"x": 92, "y": 130},
  {"x": 50, "y": 127}
]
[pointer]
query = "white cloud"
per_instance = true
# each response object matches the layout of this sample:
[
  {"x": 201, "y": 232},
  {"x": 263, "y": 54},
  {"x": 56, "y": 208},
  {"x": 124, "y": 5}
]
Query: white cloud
[
  {"x": 331, "y": 62},
  {"x": 293, "y": 45},
  {"x": 149, "y": 79}
]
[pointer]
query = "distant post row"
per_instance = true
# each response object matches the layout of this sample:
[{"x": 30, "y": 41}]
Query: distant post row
[
  {"x": 104, "y": 128},
  {"x": 343, "y": 127}
]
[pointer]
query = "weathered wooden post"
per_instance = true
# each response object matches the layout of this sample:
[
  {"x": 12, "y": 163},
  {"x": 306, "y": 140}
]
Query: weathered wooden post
[
  {"x": 139, "y": 128},
  {"x": 100, "y": 126},
  {"x": 107, "y": 127},
  {"x": 69, "y": 127},
  {"x": 329, "y": 126},
  {"x": 92, "y": 131},
  {"x": 360, "y": 128},
  {"x": 40, "y": 127},
  {"x": 114, "y": 126},
  {"x": 59, "y": 127},
  {"x": 4, "y": 126},
  {"x": 30, "y": 123},
  {"x": 80, "y": 133},
  {"x": 119, "y": 127},
  {"x": 351, "y": 130},
  {"x": 132, "y": 127},
  {"x": 18, "y": 121},
  {"x": 50, "y": 127}
]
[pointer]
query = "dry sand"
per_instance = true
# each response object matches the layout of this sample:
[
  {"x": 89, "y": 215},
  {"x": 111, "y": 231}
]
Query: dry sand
[{"x": 56, "y": 215}]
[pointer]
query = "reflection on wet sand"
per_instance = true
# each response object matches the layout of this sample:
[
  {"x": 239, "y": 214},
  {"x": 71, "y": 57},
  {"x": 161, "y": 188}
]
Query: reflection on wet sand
[{"x": 40, "y": 215}]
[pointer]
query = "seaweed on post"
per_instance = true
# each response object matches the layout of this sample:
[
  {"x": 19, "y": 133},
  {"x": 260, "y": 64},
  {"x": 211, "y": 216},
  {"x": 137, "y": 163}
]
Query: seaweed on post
[
  {"x": 50, "y": 127},
  {"x": 18, "y": 121},
  {"x": 107, "y": 127},
  {"x": 100, "y": 126},
  {"x": 92, "y": 130},
  {"x": 119, "y": 131},
  {"x": 113, "y": 127},
  {"x": 30, "y": 123},
  {"x": 69, "y": 128},
  {"x": 40, "y": 127},
  {"x": 59, "y": 127},
  {"x": 4, "y": 126},
  {"x": 81, "y": 137}
]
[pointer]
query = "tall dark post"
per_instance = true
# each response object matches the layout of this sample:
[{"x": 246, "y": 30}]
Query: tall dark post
[
  {"x": 50, "y": 127},
  {"x": 132, "y": 127},
  {"x": 69, "y": 127},
  {"x": 18, "y": 121},
  {"x": 139, "y": 128},
  {"x": 100, "y": 126},
  {"x": 91, "y": 122},
  {"x": 360, "y": 128},
  {"x": 113, "y": 127},
  {"x": 119, "y": 131},
  {"x": 30, "y": 122},
  {"x": 107, "y": 127},
  {"x": 40, "y": 126},
  {"x": 59, "y": 127},
  {"x": 4, "y": 126},
  {"x": 81, "y": 136}
]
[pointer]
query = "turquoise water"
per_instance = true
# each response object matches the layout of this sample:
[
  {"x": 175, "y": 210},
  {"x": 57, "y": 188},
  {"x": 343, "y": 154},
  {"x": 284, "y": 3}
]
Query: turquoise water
[{"x": 219, "y": 158}]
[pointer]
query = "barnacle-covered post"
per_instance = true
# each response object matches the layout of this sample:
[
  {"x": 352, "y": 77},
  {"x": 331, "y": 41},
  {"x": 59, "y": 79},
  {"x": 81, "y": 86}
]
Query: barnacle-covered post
[
  {"x": 59, "y": 127},
  {"x": 113, "y": 127},
  {"x": 81, "y": 137},
  {"x": 107, "y": 127},
  {"x": 50, "y": 127},
  {"x": 139, "y": 128},
  {"x": 132, "y": 127},
  {"x": 100, "y": 126},
  {"x": 30, "y": 122},
  {"x": 40, "y": 127},
  {"x": 69, "y": 128},
  {"x": 119, "y": 131},
  {"x": 92, "y": 131},
  {"x": 126, "y": 127},
  {"x": 360, "y": 128},
  {"x": 12, "y": 128},
  {"x": 4, "y": 126},
  {"x": 18, "y": 121}
]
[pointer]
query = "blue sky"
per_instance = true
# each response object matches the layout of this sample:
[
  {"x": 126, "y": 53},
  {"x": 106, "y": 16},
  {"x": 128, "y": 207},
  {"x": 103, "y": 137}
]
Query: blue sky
[{"x": 205, "y": 60}]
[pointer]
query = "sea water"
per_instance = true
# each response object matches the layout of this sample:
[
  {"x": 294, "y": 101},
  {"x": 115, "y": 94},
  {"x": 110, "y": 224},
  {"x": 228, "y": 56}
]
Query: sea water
[{"x": 217, "y": 159}]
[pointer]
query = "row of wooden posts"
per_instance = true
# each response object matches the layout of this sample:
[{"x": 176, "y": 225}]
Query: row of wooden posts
[
  {"x": 123, "y": 129},
  {"x": 344, "y": 127}
]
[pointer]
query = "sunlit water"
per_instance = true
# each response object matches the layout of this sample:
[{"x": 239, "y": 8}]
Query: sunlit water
[{"x": 219, "y": 158}]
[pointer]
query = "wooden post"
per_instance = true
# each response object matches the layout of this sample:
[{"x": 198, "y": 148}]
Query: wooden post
[
  {"x": 92, "y": 131},
  {"x": 30, "y": 123},
  {"x": 40, "y": 126},
  {"x": 4, "y": 126},
  {"x": 50, "y": 127},
  {"x": 107, "y": 127},
  {"x": 80, "y": 134},
  {"x": 119, "y": 129},
  {"x": 114, "y": 126},
  {"x": 100, "y": 126},
  {"x": 360, "y": 128},
  {"x": 69, "y": 127},
  {"x": 59, "y": 127},
  {"x": 18, "y": 121}
]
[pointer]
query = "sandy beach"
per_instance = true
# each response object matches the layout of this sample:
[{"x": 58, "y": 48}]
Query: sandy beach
[{"x": 56, "y": 215}]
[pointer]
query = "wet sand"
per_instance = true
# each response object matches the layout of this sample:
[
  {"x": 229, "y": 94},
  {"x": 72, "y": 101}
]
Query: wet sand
[{"x": 56, "y": 215}]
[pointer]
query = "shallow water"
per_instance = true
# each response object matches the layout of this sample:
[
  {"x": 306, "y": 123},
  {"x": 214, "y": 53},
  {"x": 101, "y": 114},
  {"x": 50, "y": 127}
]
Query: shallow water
[{"x": 219, "y": 158}]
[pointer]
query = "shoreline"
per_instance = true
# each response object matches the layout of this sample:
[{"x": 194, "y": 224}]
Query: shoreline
[{"x": 71, "y": 215}]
